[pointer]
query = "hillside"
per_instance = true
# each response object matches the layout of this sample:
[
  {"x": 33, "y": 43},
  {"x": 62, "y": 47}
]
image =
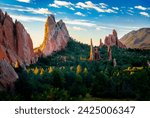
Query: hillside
[
  {"x": 137, "y": 39},
  {"x": 76, "y": 53},
  {"x": 68, "y": 75}
]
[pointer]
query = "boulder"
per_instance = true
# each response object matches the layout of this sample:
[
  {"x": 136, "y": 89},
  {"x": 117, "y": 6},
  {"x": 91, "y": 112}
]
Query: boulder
[{"x": 7, "y": 76}]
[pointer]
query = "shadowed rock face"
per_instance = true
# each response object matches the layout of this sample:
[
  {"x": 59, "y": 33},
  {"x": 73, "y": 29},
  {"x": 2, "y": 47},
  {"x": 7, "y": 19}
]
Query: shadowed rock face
[
  {"x": 7, "y": 75},
  {"x": 15, "y": 42},
  {"x": 137, "y": 39},
  {"x": 56, "y": 36},
  {"x": 15, "y": 46},
  {"x": 112, "y": 39}
]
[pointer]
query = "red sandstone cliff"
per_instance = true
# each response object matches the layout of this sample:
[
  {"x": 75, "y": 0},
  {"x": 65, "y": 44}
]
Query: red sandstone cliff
[
  {"x": 15, "y": 46},
  {"x": 15, "y": 42}
]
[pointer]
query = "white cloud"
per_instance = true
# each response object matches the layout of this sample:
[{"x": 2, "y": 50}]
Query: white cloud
[
  {"x": 26, "y": 9},
  {"x": 103, "y": 5},
  {"x": 26, "y": 1},
  {"x": 140, "y": 7},
  {"x": 40, "y": 11},
  {"x": 110, "y": 11},
  {"x": 145, "y": 14},
  {"x": 58, "y": 4},
  {"x": 90, "y": 5},
  {"x": 98, "y": 28},
  {"x": 78, "y": 28},
  {"x": 71, "y": 8},
  {"x": 115, "y": 8},
  {"x": 54, "y": 5},
  {"x": 27, "y": 18},
  {"x": 130, "y": 11},
  {"x": 79, "y": 22},
  {"x": 79, "y": 14}
]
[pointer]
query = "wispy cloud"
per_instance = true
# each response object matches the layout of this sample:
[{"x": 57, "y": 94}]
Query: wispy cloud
[
  {"x": 131, "y": 11},
  {"x": 115, "y": 8},
  {"x": 26, "y": 9},
  {"x": 58, "y": 4},
  {"x": 26, "y": 1},
  {"x": 40, "y": 11},
  {"x": 27, "y": 18},
  {"x": 103, "y": 5},
  {"x": 79, "y": 14},
  {"x": 140, "y": 7},
  {"x": 79, "y": 22},
  {"x": 145, "y": 14},
  {"x": 78, "y": 28},
  {"x": 90, "y": 5}
]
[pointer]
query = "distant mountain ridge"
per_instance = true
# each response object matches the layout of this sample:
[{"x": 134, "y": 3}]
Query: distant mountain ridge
[{"x": 137, "y": 39}]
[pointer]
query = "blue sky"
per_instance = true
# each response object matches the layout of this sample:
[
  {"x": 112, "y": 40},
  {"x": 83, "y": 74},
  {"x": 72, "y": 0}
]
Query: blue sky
[{"x": 85, "y": 19}]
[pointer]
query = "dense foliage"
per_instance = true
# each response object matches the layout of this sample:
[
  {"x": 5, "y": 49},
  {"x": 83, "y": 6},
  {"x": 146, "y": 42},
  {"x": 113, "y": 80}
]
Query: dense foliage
[{"x": 67, "y": 75}]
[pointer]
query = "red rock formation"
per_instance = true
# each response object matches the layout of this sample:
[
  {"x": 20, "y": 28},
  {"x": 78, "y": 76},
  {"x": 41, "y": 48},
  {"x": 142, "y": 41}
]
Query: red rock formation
[
  {"x": 7, "y": 76},
  {"x": 112, "y": 39},
  {"x": 109, "y": 53},
  {"x": 97, "y": 54},
  {"x": 24, "y": 44},
  {"x": 15, "y": 46},
  {"x": 56, "y": 36},
  {"x": 101, "y": 43},
  {"x": 15, "y": 42},
  {"x": 91, "y": 51},
  {"x": 94, "y": 53}
]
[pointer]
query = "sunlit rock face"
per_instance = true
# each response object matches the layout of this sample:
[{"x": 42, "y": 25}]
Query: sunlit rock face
[
  {"x": 7, "y": 76},
  {"x": 56, "y": 36},
  {"x": 15, "y": 42},
  {"x": 112, "y": 39}
]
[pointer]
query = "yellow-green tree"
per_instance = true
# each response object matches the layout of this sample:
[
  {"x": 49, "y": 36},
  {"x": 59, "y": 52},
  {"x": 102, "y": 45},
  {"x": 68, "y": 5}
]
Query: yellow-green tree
[
  {"x": 50, "y": 69},
  {"x": 41, "y": 71},
  {"x": 36, "y": 71},
  {"x": 85, "y": 71},
  {"x": 79, "y": 69}
]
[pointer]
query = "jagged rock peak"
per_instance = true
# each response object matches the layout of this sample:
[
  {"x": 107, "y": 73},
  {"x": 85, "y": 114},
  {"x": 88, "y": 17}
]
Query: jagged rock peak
[
  {"x": 15, "y": 42},
  {"x": 56, "y": 36},
  {"x": 112, "y": 39},
  {"x": 51, "y": 19}
]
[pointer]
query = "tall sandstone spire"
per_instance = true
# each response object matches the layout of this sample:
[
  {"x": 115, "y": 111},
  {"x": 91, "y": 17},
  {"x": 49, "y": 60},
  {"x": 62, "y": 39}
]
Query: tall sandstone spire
[
  {"x": 100, "y": 43},
  {"x": 109, "y": 53},
  {"x": 56, "y": 36},
  {"x": 91, "y": 51}
]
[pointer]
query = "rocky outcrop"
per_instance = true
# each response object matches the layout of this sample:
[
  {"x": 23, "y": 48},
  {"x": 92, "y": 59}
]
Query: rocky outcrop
[
  {"x": 139, "y": 39},
  {"x": 94, "y": 53},
  {"x": 101, "y": 43},
  {"x": 112, "y": 39},
  {"x": 15, "y": 42},
  {"x": 7, "y": 76},
  {"x": 16, "y": 49},
  {"x": 56, "y": 36}
]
